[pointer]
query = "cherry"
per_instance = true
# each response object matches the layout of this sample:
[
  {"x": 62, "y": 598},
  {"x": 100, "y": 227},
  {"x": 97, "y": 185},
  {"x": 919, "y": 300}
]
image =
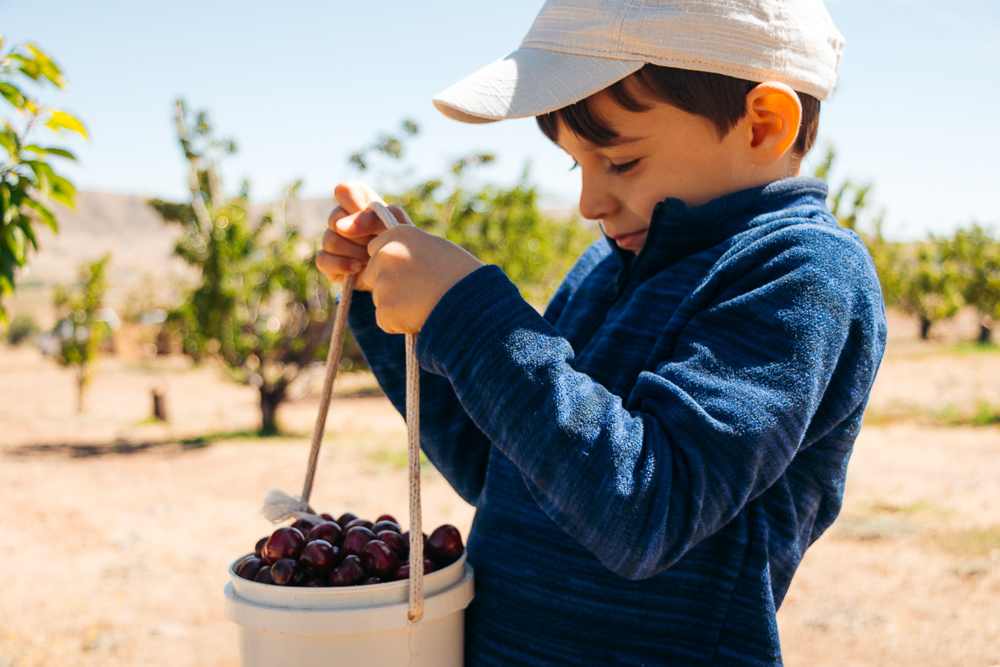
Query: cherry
[
  {"x": 387, "y": 517},
  {"x": 395, "y": 541},
  {"x": 403, "y": 571},
  {"x": 348, "y": 573},
  {"x": 355, "y": 538},
  {"x": 285, "y": 542},
  {"x": 346, "y": 518},
  {"x": 370, "y": 581},
  {"x": 264, "y": 576},
  {"x": 314, "y": 582},
  {"x": 327, "y": 517},
  {"x": 328, "y": 530},
  {"x": 259, "y": 547},
  {"x": 319, "y": 556},
  {"x": 444, "y": 546},
  {"x": 283, "y": 571},
  {"x": 304, "y": 525},
  {"x": 248, "y": 568},
  {"x": 379, "y": 558},
  {"x": 358, "y": 522},
  {"x": 379, "y": 526}
]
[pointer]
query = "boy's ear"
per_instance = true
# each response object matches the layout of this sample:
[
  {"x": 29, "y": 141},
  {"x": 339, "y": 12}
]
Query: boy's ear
[{"x": 774, "y": 112}]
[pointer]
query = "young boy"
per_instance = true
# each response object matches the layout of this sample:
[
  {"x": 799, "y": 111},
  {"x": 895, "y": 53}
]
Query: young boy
[{"x": 650, "y": 459}]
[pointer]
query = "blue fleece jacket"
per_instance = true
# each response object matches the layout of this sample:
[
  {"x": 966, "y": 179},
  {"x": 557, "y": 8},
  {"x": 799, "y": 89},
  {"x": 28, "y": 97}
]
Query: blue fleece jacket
[{"x": 650, "y": 459}]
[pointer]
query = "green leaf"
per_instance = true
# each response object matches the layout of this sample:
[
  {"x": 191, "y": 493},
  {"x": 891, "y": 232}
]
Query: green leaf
[
  {"x": 63, "y": 191},
  {"x": 50, "y": 151},
  {"x": 9, "y": 141},
  {"x": 45, "y": 214},
  {"x": 61, "y": 120},
  {"x": 27, "y": 66},
  {"x": 47, "y": 68},
  {"x": 12, "y": 94}
]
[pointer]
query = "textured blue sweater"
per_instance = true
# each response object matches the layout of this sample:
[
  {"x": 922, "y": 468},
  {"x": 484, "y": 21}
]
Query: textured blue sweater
[{"x": 650, "y": 459}]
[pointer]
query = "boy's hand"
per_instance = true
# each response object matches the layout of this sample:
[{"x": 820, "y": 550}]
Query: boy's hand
[
  {"x": 351, "y": 228},
  {"x": 410, "y": 270}
]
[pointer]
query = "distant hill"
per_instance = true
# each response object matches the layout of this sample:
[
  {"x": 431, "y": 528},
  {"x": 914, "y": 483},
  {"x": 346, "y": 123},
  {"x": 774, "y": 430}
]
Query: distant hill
[{"x": 140, "y": 243}]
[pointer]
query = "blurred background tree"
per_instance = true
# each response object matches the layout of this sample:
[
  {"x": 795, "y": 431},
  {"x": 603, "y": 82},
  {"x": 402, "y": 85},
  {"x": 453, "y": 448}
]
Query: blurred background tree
[
  {"x": 260, "y": 306},
  {"x": 975, "y": 255},
  {"x": 501, "y": 226},
  {"x": 83, "y": 325},
  {"x": 28, "y": 183}
]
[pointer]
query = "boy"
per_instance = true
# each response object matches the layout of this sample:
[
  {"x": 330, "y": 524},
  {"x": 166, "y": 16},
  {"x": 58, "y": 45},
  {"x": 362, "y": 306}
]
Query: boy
[{"x": 650, "y": 459}]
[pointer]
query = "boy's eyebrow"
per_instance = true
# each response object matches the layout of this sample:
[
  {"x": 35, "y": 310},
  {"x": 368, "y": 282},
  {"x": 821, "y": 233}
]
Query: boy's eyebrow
[{"x": 619, "y": 141}]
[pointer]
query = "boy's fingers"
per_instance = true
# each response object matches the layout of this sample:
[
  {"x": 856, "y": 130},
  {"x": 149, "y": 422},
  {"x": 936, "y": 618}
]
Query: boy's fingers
[
  {"x": 336, "y": 244},
  {"x": 336, "y": 267},
  {"x": 354, "y": 196}
]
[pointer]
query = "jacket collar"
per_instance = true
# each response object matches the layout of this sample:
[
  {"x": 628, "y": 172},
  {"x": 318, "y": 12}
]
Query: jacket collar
[{"x": 677, "y": 230}]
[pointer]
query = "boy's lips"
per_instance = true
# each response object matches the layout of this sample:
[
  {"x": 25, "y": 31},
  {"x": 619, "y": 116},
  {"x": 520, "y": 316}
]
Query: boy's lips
[{"x": 632, "y": 240}]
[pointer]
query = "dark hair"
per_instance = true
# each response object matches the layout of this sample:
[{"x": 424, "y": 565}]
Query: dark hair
[{"x": 717, "y": 97}]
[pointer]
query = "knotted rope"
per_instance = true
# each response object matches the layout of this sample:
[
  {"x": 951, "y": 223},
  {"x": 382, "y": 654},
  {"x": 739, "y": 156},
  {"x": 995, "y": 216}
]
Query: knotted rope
[{"x": 279, "y": 506}]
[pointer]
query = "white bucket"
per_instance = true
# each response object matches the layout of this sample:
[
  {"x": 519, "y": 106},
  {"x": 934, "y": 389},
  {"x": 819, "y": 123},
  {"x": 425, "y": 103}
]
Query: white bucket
[{"x": 352, "y": 625}]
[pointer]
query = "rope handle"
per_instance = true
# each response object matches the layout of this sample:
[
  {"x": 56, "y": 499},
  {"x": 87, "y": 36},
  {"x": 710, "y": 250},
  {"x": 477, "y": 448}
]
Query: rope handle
[{"x": 279, "y": 506}]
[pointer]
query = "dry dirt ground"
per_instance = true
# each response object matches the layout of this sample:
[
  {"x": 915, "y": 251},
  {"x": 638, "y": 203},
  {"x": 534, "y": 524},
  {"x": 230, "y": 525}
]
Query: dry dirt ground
[{"x": 116, "y": 533}]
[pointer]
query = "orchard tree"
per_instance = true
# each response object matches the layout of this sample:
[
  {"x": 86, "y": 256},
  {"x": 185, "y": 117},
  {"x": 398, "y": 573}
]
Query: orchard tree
[
  {"x": 82, "y": 328},
  {"x": 502, "y": 226},
  {"x": 927, "y": 284},
  {"x": 28, "y": 183},
  {"x": 975, "y": 255},
  {"x": 260, "y": 306}
]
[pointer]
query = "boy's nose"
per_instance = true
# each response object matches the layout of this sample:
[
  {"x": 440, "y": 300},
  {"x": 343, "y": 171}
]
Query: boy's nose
[{"x": 597, "y": 202}]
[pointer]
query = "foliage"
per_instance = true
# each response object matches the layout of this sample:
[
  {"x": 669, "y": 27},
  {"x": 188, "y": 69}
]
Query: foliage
[
  {"x": 260, "y": 306},
  {"x": 28, "y": 183},
  {"x": 973, "y": 255},
  {"x": 22, "y": 327},
  {"x": 498, "y": 225},
  {"x": 81, "y": 328}
]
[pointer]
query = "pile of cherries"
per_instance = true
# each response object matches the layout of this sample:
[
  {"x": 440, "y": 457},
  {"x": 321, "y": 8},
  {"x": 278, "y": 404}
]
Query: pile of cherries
[{"x": 349, "y": 551}]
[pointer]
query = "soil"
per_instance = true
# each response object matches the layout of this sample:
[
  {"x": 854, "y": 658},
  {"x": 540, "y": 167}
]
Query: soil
[{"x": 118, "y": 531}]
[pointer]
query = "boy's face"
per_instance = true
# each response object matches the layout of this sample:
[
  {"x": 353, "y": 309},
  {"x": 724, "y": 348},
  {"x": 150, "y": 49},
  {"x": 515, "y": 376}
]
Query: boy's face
[{"x": 663, "y": 152}]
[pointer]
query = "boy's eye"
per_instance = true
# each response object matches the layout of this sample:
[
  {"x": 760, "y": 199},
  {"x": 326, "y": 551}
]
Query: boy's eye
[{"x": 622, "y": 168}]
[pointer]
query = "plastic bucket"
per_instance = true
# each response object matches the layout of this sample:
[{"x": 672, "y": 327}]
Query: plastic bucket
[{"x": 353, "y": 625}]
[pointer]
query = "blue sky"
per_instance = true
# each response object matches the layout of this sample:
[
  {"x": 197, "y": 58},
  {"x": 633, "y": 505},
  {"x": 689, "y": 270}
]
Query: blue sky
[{"x": 303, "y": 86}]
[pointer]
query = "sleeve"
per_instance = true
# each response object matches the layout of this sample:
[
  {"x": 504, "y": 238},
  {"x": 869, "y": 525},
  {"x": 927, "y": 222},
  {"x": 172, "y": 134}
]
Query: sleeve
[
  {"x": 458, "y": 450},
  {"x": 639, "y": 482}
]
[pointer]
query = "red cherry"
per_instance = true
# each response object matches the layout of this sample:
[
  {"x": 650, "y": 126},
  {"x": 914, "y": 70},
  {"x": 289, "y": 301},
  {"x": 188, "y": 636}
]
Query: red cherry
[
  {"x": 396, "y": 542},
  {"x": 346, "y": 518},
  {"x": 379, "y": 558},
  {"x": 370, "y": 581},
  {"x": 304, "y": 525},
  {"x": 403, "y": 571},
  {"x": 264, "y": 576},
  {"x": 348, "y": 573},
  {"x": 444, "y": 546},
  {"x": 327, "y": 517},
  {"x": 248, "y": 568},
  {"x": 285, "y": 542},
  {"x": 259, "y": 547},
  {"x": 355, "y": 538},
  {"x": 328, "y": 530},
  {"x": 379, "y": 526},
  {"x": 319, "y": 556},
  {"x": 358, "y": 522},
  {"x": 283, "y": 571},
  {"x": 387, "y": 517}
]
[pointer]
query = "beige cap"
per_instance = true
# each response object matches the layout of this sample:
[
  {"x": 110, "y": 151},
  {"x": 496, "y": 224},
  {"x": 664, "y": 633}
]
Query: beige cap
[{"x": 576, "y": 48}]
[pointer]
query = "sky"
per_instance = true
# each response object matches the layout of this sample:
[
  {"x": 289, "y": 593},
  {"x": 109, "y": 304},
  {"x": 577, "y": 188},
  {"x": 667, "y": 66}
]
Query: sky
[{"x": 302, "y": 87}]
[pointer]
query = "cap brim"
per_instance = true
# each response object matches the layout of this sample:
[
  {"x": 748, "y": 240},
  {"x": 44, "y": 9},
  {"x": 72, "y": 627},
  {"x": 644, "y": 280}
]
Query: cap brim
[{"x": 530, "y": 82}]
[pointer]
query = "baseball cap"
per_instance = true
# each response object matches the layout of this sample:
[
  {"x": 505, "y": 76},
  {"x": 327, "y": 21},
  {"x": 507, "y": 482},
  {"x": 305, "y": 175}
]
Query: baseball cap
[{"x": 576, "y": 48}]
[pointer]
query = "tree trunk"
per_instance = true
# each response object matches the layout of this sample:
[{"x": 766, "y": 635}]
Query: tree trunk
[
  {"x": 925, "y": 327},
  {"x": 159, "y": 405},
  {"x": 985, "y": 331},
  {"x": 270, "y": 399},
  {"x": 81, "y": 380}
]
